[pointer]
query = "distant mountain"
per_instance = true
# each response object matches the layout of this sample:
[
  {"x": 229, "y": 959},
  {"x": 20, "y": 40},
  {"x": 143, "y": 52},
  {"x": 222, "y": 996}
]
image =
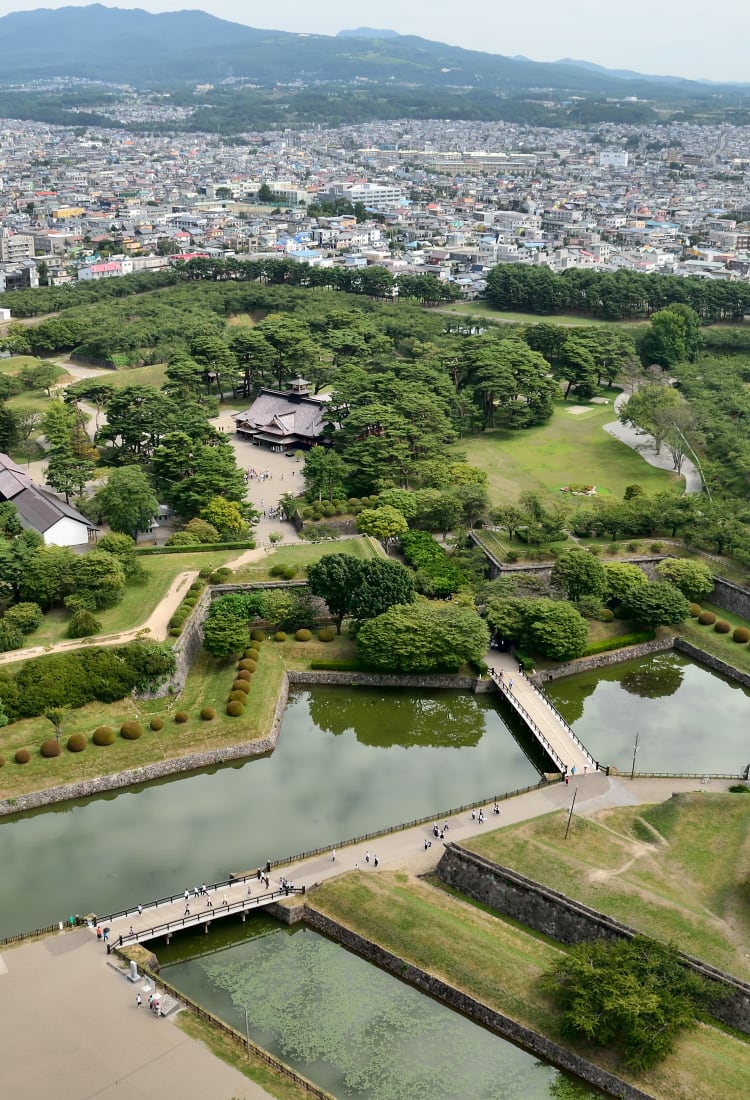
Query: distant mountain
[{"x": 136, "y": 47}]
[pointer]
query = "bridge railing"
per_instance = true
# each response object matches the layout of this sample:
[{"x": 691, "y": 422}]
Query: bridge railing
[
  {"x": 551, "y": 706},
  {"x": 192, "y": 919},
  {"x": 135, "y": 910},
  {"x": 528, "y": 720}
]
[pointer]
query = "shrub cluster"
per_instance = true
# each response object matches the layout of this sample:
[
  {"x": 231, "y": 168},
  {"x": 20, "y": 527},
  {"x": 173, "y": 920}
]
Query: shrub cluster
[
  {"x": 436, "y": 574},
  {"x": 635, "y": 638},
  {"x": 177, "y": 621},
  {"x": 707, "y": 618}
]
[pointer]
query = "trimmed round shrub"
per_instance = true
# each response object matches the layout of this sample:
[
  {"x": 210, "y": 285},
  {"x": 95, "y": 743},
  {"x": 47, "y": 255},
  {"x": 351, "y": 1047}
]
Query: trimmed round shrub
[
  {"x": 251, "y": 653},
  {"x": 22, "y": 756},
  {"x": 191, "y": 601},
  {"x": 258, "y": 635},
  {"x": 707, "y": 618},
  {"x": 103, "y": 735},
  {"x": 607, "y": 615},
  {"x": 208, "y": 714},
  {"x": 277, "y": 569},
  {"x": 243, "y": 674},
  {"x": 741, "y": 634},
  {"x": 237, "y": 697},
  {"x": 196, "y": 586},
  {"x": 175, "y": 631},
  {"x": 83, "y": 624},
  {"x": 289, "y": 572},
  {"x": 695, "y": 610},
  {"x": 204, "y": 573},
  {"x": 24, "y": 617},
  {"x": 235, "y": 708},
  {"x": 50, "y": 748},
  {"x": 246, "y": 665},
  {"x": 131, "y": 731},
  {"x": 303, "y": 635},
  {"x": 156, "y": 724},
  {"x": 241, "y": 685},
  {"x": 181, "y": 717},
  {"x": 224, "y": 571},
  {"x": 721, "y": 626},
  {"x": 279, "y": 636},
  {"x": 76, "y": 742},
  {"x": 216, "y": 578},
  {"x": 327, "y": 634}
]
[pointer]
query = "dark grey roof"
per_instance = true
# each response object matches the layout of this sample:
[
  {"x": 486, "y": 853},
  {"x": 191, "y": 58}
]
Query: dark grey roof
[
  {"x": 278, "y": 415},
  {"x": 39, "y": 507}
]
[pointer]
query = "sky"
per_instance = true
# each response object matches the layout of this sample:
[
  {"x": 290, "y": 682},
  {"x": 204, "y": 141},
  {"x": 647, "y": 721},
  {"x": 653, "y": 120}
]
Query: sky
[{"x": 689, "y": 38}]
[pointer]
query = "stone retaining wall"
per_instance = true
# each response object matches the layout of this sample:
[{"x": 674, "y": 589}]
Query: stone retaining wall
[
  {"x": 708, "y": 659},
  {"x": 603, "y": 660},
  {"x": 731, "y": 597},
  {"x": 376, "y": 679},
  {"x": 523, "y": 1037},
  {"x": 186, "y": 647},
  {"x": 569, "y": 921}
]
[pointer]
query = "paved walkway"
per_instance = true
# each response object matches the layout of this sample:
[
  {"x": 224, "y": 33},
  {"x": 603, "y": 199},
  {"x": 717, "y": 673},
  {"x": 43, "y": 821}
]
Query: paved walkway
[
  {"x": 645, "y": 445},
  {"x": 522, "y": 694},
  {"x": 98, "y": 1044}
]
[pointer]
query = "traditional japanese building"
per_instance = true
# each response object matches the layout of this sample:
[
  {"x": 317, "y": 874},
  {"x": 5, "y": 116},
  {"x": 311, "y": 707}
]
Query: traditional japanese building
[{"x": 293, "y": 418}]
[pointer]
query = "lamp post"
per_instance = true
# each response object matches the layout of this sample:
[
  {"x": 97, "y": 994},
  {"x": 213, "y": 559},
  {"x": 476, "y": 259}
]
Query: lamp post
[
  {"x": 635, "y": 753},
  {"x": 247, "y": 1029}
]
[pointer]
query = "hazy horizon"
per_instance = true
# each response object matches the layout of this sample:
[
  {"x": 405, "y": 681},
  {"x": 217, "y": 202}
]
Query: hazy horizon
[{"x": 655, "y": 39}]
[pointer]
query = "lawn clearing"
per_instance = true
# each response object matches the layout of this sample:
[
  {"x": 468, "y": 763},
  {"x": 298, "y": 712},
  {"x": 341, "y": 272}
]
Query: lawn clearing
[
  {"x": 567, "y": 449},
  {"x": 500, "y": 964},
  {"x": 489, "y": 313},
  {"x": 719, "y": 645},
  {"x": 303, "y": 554},
  {"x": 675, "y": 871}
]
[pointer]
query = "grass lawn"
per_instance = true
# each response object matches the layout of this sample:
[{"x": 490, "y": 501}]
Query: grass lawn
[
  {"x": 570, "y": 448},
  {"x": 719, "y": 645},
  {"x": 299, "y": 655},
  {"x": 139, "y": 601},
  {"x": 208, "y": 684},
  {"x": 153, "y": 375},
  {"x": 675, "y": 871},
  {"x": 303, "y": 554},
  {"x": 486, "y": 311},
  {"x": 500, "y": 964}
]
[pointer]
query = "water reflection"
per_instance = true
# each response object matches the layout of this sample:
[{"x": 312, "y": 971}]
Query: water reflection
[
  {"x": 412, "y": 719},
  {"x": 658, "y": 679}
]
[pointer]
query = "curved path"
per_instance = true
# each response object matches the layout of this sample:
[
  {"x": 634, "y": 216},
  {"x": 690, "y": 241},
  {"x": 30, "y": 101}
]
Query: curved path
[{"x": 645, "y": 445}]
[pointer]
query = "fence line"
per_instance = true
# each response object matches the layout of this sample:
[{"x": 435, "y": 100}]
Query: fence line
[
  {"x": 30, "y": 934},
  {"x": 521, "y": 709},
  {"x": 548, "y": 703}
]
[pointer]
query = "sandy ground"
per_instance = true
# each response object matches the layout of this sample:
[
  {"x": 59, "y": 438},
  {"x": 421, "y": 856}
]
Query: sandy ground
[{"x": 95, "y": 1041}]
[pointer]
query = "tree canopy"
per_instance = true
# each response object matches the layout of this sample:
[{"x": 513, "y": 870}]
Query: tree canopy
[{"x": 423, "y": 637}]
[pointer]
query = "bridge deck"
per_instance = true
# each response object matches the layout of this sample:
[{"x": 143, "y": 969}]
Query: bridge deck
[
  {"x": 173, "y": 914},
  {"x": 548, "y": 726}
]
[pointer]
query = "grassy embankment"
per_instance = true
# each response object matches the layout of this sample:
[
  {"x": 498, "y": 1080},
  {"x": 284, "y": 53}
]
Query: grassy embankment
[
  {"x": 500, "y": 962},
  {"x": 572, "y": 447}
]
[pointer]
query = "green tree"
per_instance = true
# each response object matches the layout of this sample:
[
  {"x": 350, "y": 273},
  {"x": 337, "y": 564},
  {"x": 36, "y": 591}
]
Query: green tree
[
  {"x": 324, "y": 473},
  {"x": 647, "y": 410},
  {"x": 423, "y": 637},
  {"x": 382, "y": 584},
  {"x": 335, "y": 579},
  {"x": 578, "y": 573},
  {"x": 48, "y": 575},
  {"x": 693, "y": 578},
  {"x": 99, "y": 576},
  {"x": 41, "y": 376},
  {"x": 384, "y": 523},
  {"x": 674, "y": 336},
  {"x": 67, "y": 473},
  {"x": 127, "y": 502},
  {"x": 622, "y": 578},
  {"x": 554, "y": 629},
  {"x": 224, "y": 635},
  {"x": 57, "y": 716},
  {"x": 226, "y": 516},
  {"x": 631, "y": 995},
  {"x": 437, "y": 511},
  {"x": 657, "y": 603}
]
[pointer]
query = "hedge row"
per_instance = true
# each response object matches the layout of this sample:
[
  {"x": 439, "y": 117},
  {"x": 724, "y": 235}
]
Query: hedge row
[
  {"x": 246, "y": 666},
  {"x": 199, "y": 548},
  {"x": 635, "y": 638}
]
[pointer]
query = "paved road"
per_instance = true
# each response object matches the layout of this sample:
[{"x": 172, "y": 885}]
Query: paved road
[{"x": 645, "y": 445}]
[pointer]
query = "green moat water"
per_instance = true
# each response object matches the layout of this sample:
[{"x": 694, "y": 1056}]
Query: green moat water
[
  {"x": 347, "y": 762},
  {"x": 688, "y": 718},
  {"x": 353, "y": 1029}
]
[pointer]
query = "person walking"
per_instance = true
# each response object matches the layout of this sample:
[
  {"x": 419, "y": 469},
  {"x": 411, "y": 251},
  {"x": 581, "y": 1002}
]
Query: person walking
[
  {"x": 140, "y": 910},
  {"x": 375, "y": 860},
  {"x": 138, "y": 1000},
  {"x": 367, "y": 857},
  {"x": 333, "y": 856}
]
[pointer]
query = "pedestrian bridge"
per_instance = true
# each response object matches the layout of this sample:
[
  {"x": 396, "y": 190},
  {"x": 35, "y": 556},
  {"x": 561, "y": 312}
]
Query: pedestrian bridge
[
  {"x": 566, "y": 751},
  {"x": 162, "y": 918}
]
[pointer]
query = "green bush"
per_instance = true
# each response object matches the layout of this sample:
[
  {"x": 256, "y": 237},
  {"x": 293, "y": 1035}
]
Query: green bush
[
  {"x": 277, "y": 569},
  {"x": 695, "y": 610},
  {"x": 22, "y": 756},
  {"x": 76, "y": 742},
  {"x": 235, "y": 708},
  {"x": 181, "y": 717},
  {"x": 635, "y": 638},
  {"x": 619, "y": 612},
  {"x": 739, "y": 788},
  {"x": 203, "y": 547},
  {"x": 289, "y": 572},
  {"x": 208, "y": 714},
  {"x": 336, "y": 666},
  {"x": 10, "y": 637},
  {"x": 707, "y": 618},
  {"x": 103, "y": 735},
  {"x": 246, "y": 665},
  {"x": 241, "y": 685},
  {"x": 24, "y": 617},
  {"x": 280, "y": 636},
  {"x": 196, "y": 586},
  {"x": 607, "y": 615},
  {"x": 156, "y": 724},
  {"x": 251, "y": 653},
  {"x": 741, "y": 634},
  {"x": 189, "y": 601},
  {"x": 327, "y": 634},
  {"x": 258, "y": 635},
  {"x": 436, "y": 575},
  {"x": 237, "y": 697},
  {"x": 83, "y": 625},
  {"x": 175, "y": 631},
  {"x": 50, "y": 748},
  {"x": 721, "y": 626},
  {"x": 131, "y": 731},
  {"x": 303, "y": 635},
  {"x": 243, "y": 674},
  {"x": 656, "y": 547}
]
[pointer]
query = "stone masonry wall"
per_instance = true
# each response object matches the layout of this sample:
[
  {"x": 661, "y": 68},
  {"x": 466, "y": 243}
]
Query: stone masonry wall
[
  {"x": 603, "y": 660},
  {"x": 494, "y": 1021},
  {"x": 730, "y": 597},
  {"x": 569, "y": 921}
]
